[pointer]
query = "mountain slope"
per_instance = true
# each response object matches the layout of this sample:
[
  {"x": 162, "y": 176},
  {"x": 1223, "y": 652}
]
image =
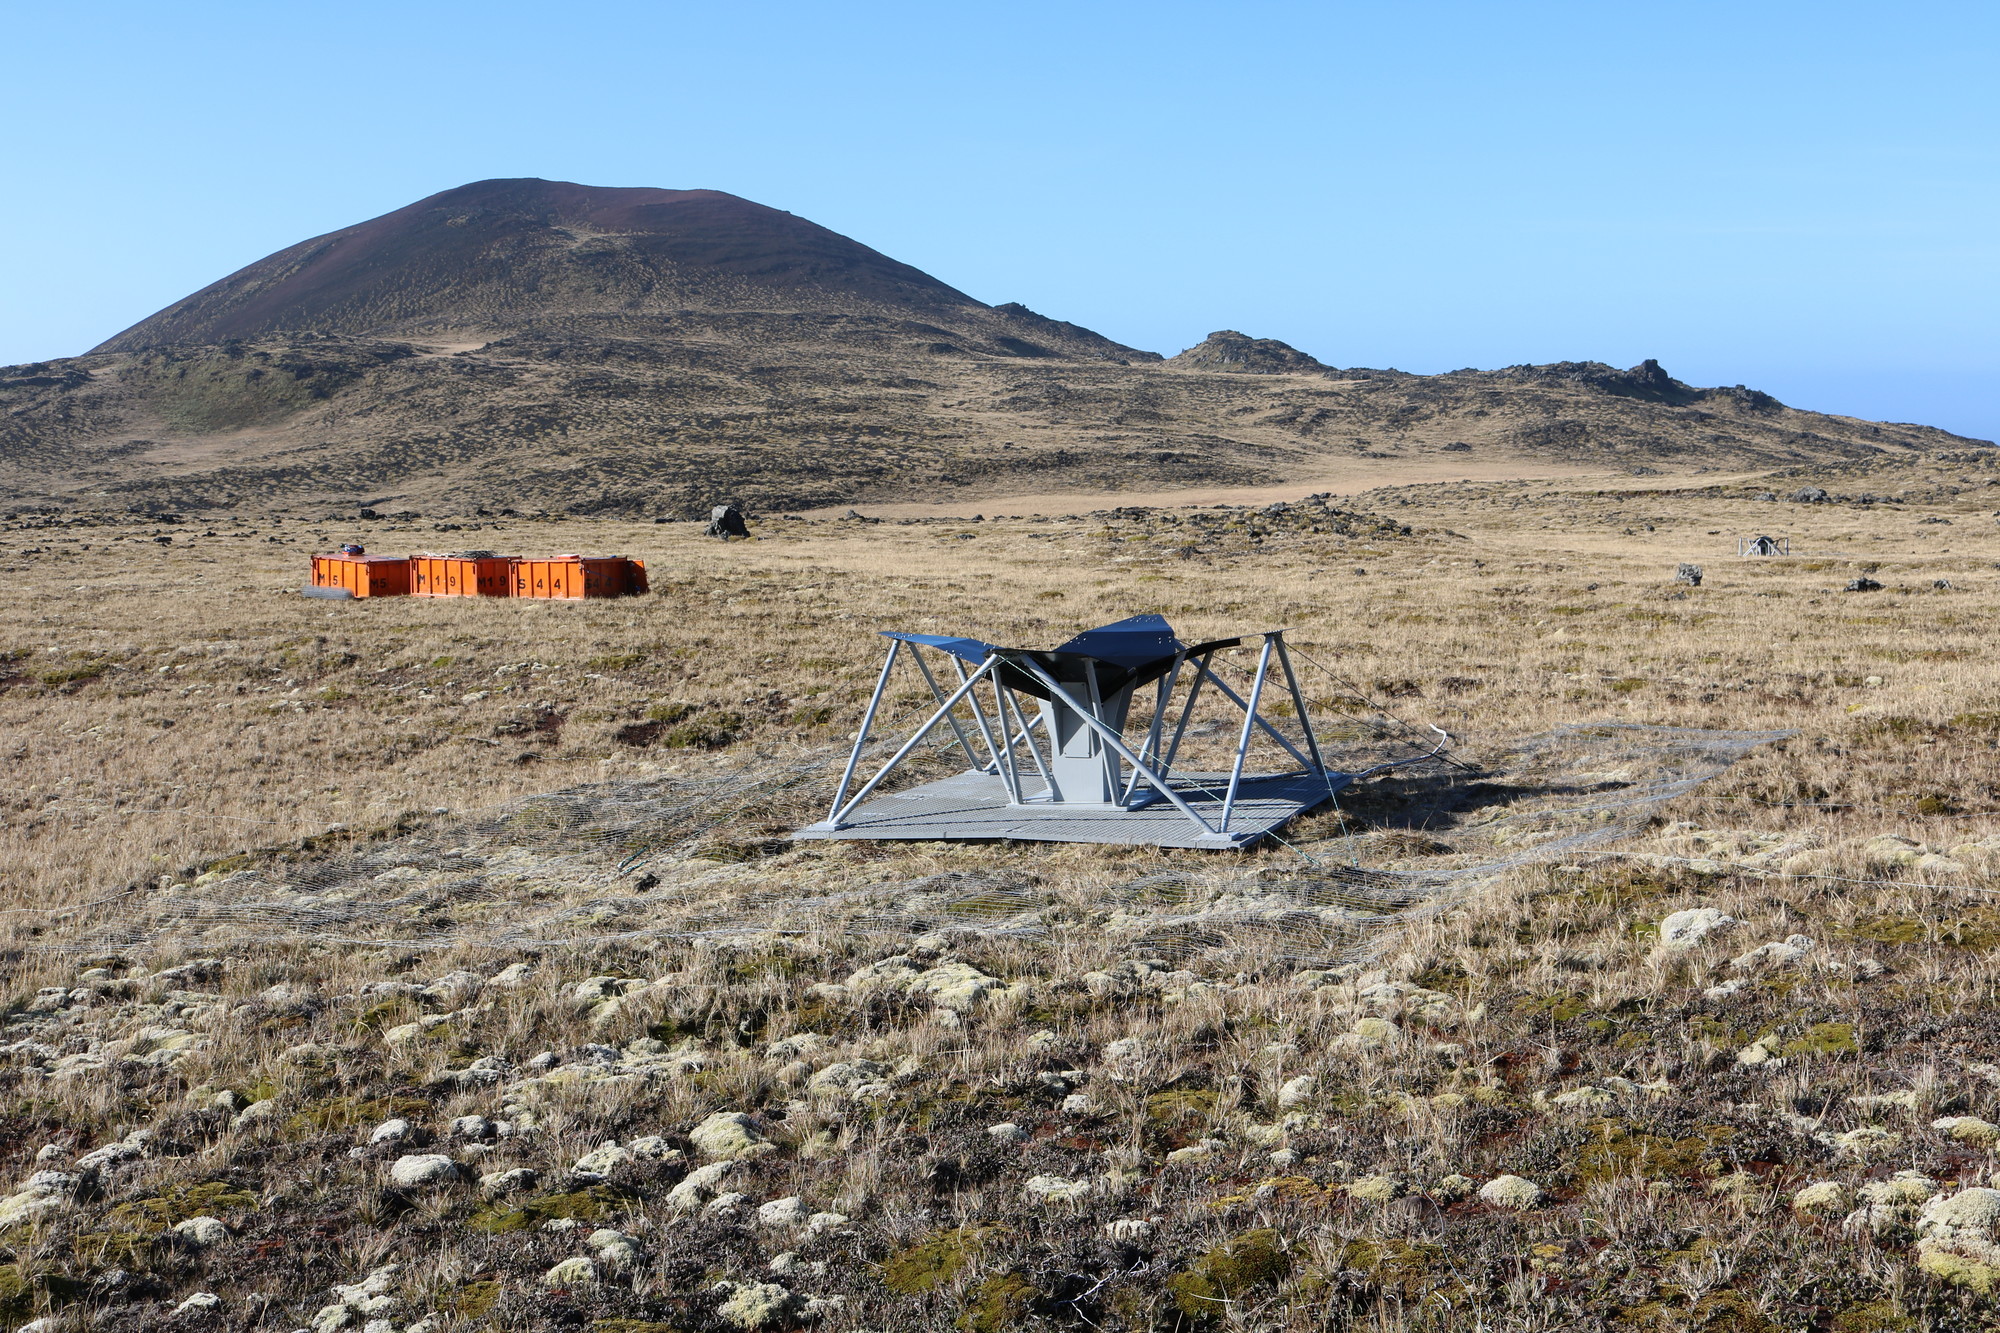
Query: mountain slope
[
  {"x": 575, "y": 349},
  {"x": 502, "y": 254}
]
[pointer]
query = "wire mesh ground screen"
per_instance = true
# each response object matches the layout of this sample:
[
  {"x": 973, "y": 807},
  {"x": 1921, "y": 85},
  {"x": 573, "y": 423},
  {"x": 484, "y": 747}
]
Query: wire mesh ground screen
[{"x": 689, "y": 857}]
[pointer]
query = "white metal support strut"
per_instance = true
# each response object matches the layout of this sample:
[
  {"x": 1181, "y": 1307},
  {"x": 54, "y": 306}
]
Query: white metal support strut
[
  {"x": 867, "y": 722},
  {"x": 985, "y": 669},
  {"x": 978, "y": 718},
  {"x": 1110, "y": 738},
  {"x": 1250, "y": 719},
  {"x": 1269, "y": 730},
  {"x": 1151, "y": 752},
  {"x": 1298, "y": 700},
  {"x": 917, "y": 654}
]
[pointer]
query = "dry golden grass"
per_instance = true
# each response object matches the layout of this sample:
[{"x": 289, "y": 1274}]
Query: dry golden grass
[
  {"x": 212, "y": 708},
  {"x": 172, "y": 705}
]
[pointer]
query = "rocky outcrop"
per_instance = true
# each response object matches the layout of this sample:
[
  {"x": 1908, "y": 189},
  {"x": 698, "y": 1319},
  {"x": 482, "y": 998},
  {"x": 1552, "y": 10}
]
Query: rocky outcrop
[{"x": 1240, "y": 354}]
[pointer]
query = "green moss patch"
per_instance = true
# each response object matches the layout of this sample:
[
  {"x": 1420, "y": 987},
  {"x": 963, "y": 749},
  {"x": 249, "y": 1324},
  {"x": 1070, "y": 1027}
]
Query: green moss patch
[
  {"x": 386, "y": 1014},
  {"x": 1974, "y": 930},
  {"x": 1167, "y": 1107},
  {"x": 75, "y": 673},
  {"x": 1562, "y": 1008},
  {"x": 934, "y": 1260},
  {"x": 96, "y": 1250},
  {"x": 1874, "y": 1317},
  {"x": 1619, "y": 1151},
  {"x": 1393, "y": 1262},
  {"x": 599, "y": 1203},
  {"x": 1718, "y": 1312},
  {"x": 999, "y": 1303},
  {"x": 1717, "y": 1032},
  {"x": 17, "y": 1297},
  {"x": 211, "y": 1198},
  {"x": 1823, "y": 1039},
  {"x": 338, "y": 1113},
  {"x": 1245, "y": 1263},
  {"x": 22, "y": 1292},
  {"x": 475, "y": 1300}
]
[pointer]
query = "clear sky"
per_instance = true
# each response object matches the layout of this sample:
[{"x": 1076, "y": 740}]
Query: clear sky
[{"x": 1804, "y": 198}]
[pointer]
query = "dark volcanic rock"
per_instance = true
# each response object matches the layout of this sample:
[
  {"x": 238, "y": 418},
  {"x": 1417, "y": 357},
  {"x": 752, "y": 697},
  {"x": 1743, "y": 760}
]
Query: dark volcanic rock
[
  {"x": 1228, "y": 350},
  {"x": 1647, "y": 381}
]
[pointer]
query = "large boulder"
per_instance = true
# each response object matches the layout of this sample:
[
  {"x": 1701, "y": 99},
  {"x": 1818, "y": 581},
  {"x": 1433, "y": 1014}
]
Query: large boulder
[
  {"x": 699, "y": 1186},
  {"x": 202, "y": 1232},
  {"x": 726, "y": 521},
  {"x": 424, "y": 1171},
  {"x": 578, "y": 1272}
]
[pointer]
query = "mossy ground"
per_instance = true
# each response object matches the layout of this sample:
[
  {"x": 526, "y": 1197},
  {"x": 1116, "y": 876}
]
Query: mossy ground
[{"x": 1187, "y": 1179}]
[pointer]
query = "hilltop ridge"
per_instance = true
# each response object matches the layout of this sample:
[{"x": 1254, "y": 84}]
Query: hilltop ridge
[{"x": 585, "y": 349}]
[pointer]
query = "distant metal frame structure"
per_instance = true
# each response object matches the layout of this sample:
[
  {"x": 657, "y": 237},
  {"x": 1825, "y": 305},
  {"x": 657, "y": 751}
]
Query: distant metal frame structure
[{"x": 1066, "y": 773}]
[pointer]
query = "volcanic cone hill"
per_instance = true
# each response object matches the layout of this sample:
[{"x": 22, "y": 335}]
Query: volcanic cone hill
[
  {"x": 648, "y": 352},
  {"x": 1228, "y": 350},
  {"x": 505, "y": 254}
]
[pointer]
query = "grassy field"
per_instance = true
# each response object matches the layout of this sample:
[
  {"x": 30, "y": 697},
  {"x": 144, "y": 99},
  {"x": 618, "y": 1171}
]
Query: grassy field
[{"x": 1528, "y": 1111}]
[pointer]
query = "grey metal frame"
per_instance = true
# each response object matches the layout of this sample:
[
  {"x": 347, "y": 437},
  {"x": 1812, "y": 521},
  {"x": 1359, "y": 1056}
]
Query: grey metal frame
[
  {"x": 1149, "y": 766},
  {"x": 984, "y": 669}
]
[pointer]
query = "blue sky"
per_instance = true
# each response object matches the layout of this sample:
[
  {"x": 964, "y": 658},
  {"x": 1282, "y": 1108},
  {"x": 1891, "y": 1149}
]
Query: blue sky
[{"x": 1804, "y": 198}]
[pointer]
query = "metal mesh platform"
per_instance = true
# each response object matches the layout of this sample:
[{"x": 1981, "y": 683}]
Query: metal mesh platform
[{"x": 974, "y": 805}]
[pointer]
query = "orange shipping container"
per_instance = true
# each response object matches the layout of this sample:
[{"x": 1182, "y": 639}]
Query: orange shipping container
[
  {"x": 461, "y": 576},
  {"x": 363, "y": 575},
  {"x": 578, "y": 576}
]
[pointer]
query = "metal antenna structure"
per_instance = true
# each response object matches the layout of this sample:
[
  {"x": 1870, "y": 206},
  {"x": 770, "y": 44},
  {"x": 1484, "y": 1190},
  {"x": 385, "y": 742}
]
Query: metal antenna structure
[{"x": 1063, "y": 770}]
